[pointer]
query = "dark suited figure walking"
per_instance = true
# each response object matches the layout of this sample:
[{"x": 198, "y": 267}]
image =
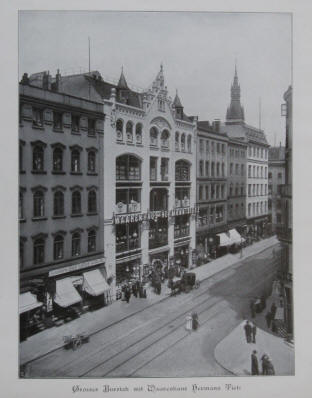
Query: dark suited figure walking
[
  {"x": 254, "y": 331},
  {"x": 264, "y": 360},
  {"x": 127, "y": 294},
  {"x": 247, "y": 328},
  {"x": 254, "y": 364},
  {"x": 273, "y": 310}
]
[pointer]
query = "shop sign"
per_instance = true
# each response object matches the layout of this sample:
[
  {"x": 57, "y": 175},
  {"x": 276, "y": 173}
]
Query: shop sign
[
  {"x": 153, "y": 215},
  {"x": 77, "y": 267}
]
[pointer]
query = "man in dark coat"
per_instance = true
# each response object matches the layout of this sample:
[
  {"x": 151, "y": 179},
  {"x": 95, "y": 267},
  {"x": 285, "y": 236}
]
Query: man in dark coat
[
  {"x": 127, "y": 294},
  {"x": 264, "y": 360},
  {"x": 254, "y": 364},
  {"x": 268, "y": 318},
  {"x": 273, "y": 310},
  {"x": 247, "y": 328},
  {"x": 254, "y": 331}
]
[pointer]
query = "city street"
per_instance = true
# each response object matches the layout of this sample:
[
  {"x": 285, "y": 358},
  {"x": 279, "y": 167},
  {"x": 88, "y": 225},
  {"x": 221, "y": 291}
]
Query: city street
[{"x": 154, "y": 341}]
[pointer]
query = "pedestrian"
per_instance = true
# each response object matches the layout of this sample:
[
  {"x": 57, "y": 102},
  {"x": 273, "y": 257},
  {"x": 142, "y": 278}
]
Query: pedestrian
[
  {"x": 254, "y": 331},
  {"x": 273, "y": 309},
  {"x": 264, "y": 364},
  {"x": 252, "y": 308},
  {"x": 268, "y": 318},
  {"x": 195, "y": 322},
  {"x": 254, "y": 364},
  {"x": 247, "y": 328},
  {"x": 269, "y": 367},
  {"x": 127, "y": 294},
  {"x": 263, "y": 302}
]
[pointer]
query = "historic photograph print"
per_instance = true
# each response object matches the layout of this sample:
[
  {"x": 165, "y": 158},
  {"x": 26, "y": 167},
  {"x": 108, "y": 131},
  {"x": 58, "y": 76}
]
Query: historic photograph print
[{"x": 155, "y": 194}]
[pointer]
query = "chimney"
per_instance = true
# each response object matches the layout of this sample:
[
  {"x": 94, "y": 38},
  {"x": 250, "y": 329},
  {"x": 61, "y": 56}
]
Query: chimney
[
  {"x": 25, "y": 79},
  {"x": 57, "y": 80}
]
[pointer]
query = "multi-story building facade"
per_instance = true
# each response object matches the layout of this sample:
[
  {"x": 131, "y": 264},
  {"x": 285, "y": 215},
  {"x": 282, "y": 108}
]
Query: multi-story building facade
[
  {"x": 61, "y": 189},
  {"x": 256, "y": 162},
  {"x": 149, "y": 175},
  {"x": 284, "y": 231},
  {"x": 236, "y": 183},
  {"x": 276, "y": 182},
  {"x": 212, "y": 189}
]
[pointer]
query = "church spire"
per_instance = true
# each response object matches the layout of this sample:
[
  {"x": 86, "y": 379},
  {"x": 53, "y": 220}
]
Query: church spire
[
  {"x": 235, "y": 112},
  {"x": 122, "y": 84}
]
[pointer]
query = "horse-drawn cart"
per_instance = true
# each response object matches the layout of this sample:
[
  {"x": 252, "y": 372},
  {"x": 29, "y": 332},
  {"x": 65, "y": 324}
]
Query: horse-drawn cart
[{"x": 184, "y": 284}]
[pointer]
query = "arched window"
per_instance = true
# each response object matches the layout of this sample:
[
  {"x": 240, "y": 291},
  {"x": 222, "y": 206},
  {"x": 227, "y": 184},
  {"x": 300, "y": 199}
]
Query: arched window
[
  {"x": 183, "y": 142},
  {"x": 91, "y": 161},
  {"x": 38, "y": 203},
  {"x": 177, "y": 141},
  {"x": 128, "y": 167},
  {"x": 58, "y": 159},
  {"x": 165, "y": 139},
  {"x": 129, "y": 131},
  {"x": 189, "y": 143},
  {"x": 38, "y": 158},
  {"x": 76, "y": 244},
  {"x": 39, "y": 251},
  {"x": 58, "y": 204},
  {"x": 119, "y": 129},
  {"x": 92, "y": 202},
  {"x": 138, "y": 133},
  {"x": 75, "y": 161},
  {"x": 91, "y": 241},
  {"x": 76, "y": 202},
  {"x": 153, "y": 136},
  {"x": 182, "y": 171},
  {"x": 58, "y": 247}
]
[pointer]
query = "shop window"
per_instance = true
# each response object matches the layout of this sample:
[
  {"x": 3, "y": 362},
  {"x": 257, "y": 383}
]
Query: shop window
[
  {"x": 39, "y": 246},
  {"x": 91, "y": 162},
  {"x": 57, "y": 121},
  {"x": 119, "y": 130},
  {"x": 38, "y": 198},
  {"x": 182, "y": 171},
  {"x": 128, "y": 200},
  {"x": 177, "y": 141},
  {"x": 91, "y": 241},
  {"x": 164, "y": 169},
  {"x": 37, "y": 117},
  {"x": 158, "y": 233},
  {"x": 158, "y": 199},
  {"x": 182, "y": 226},
  {"x": 91, "y": 127},
  {"x": 182, "y": 197},
  {"x": 138, "y": 133},
  {"x": 92, "y": 208},
  {"x": 128, "y": 167},
  {"x": 127, "y": 237},
  {"x": 153, "y": 137},
  {"x": 75, "y": 125},
  {"x": 58, "y": 247},
  {"x": 129, "y": 132},
  {"x": 38, "y": 158},
  {"x": 58, "y": 159},
  {"x": 58, "y": 204},
  {"x": 76, "y": 203},
  {"x": 165, "y": 139},
  {"x": 76, "y": 240}
]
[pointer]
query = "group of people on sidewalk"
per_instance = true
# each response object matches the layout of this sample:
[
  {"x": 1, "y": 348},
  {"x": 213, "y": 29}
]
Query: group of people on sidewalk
[
  {"x": 136, "y": 288},
  {"x": 267, "y": 365}
]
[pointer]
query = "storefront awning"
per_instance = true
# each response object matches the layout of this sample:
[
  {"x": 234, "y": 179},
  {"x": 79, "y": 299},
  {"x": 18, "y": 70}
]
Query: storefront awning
[
  {"x": 27, "y": 301},
  {"x": 235, "y": 237},
  {"x": 66, "y": 294},
  {"x": 224, "y": 240},
  {"x": 94, "y": 283}
]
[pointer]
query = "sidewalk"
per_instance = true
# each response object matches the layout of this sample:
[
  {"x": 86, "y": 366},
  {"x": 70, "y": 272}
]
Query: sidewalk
[
  {"x": 51, "y": 339},
  {"x": 234, "y": 353}
]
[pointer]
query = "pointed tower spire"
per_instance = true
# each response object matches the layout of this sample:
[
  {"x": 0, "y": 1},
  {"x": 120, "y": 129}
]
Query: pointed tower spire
[
  {"x": 235, "y": 112},
  {"x": 122, "y": 84},
  {"x": 178, "y": 106}
]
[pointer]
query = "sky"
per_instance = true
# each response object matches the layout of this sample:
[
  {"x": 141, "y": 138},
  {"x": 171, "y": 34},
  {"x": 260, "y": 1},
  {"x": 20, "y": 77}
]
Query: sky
[{"x": 198, "y": 52}]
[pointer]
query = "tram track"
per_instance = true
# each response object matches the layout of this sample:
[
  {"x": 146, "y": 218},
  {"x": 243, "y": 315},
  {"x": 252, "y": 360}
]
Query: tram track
[{"x": 207, "y": 282}]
